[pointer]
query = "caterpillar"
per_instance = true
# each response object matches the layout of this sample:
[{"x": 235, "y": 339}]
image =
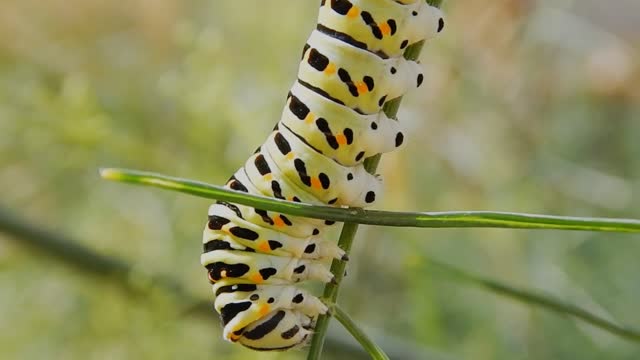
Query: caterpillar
[{"x": 332, "y": 121}]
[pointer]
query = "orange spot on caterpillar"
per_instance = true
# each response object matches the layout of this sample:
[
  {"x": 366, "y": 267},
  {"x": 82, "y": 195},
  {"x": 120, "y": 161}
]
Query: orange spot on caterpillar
[
  {"x": 310, "y": 118},
  {"x": 353, "y": 12},
  {"x": 362, "y": 88},
  {"x": 315, "y": 183},
  {"x": 233, "y": 337},
  {"x": 264, "y": 309},
  {"x": 330, "y": 69},
  {"x": 264, "y": 246},
  {"x": 341, "y": 139},
  {"x": 278, "y": 222},
  {"x": 385, "y": 28},
  {"x": 256, "y": 278}
]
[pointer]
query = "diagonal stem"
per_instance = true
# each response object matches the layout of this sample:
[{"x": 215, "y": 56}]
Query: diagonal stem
[{"x": 371, "y": 347}]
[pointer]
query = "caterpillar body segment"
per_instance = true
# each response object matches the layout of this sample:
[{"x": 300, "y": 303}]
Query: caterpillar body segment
[
  {"x": 279, "y": 296},
  {"x": 256, "y": 301},
  {"x": 268, "y": 178},
  {"x": 332, "y": 121},
  {"x": 382, "y": 27},
  {"x": 292, "y": 225},
  {"x": 357, "y": 79},
  {"x": 342, "y": 134},
  {"x": 282, "y": 222},
  {"x": 324, "y": 178},
  {"x": 262, "y": 268},
  {"x": 280, "y": 330},
  {"x": 226, "y": 230}
]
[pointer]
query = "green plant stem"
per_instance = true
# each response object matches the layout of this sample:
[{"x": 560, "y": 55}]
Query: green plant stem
[
  {"x": 91, "y": 263},
  {"x": 370, "y": 347},
  {"x": 443, "y": 219},
  {"x": 349, "y": 229},
  {"x": 330, "y": 293}
]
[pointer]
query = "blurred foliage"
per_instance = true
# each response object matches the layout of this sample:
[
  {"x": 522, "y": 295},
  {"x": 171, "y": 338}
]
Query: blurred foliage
[{"x": 528, "y": 106}]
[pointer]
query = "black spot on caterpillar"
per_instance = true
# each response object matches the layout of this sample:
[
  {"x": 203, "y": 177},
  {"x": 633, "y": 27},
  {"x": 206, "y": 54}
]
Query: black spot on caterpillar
[
  {"x": 350, "y": 67},
  {"x": 231, "y": 310}
]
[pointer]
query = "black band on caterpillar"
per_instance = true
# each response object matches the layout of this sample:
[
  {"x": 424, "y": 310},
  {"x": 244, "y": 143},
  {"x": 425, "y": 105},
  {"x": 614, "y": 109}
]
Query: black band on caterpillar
[{"x": 332, "y": 120}]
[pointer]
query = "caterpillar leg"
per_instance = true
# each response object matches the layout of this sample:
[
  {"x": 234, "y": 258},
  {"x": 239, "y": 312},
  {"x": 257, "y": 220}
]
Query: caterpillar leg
[{"x": 426, "y": 22}]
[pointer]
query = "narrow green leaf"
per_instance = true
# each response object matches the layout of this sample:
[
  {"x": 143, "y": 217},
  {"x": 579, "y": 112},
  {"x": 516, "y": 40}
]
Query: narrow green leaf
[
  {"x": 446, "y": 219},
  {"x": 546, "y": 301}
]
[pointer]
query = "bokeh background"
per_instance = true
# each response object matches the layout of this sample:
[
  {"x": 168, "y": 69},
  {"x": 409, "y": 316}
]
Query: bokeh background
[{"x": 530, "y": 106}]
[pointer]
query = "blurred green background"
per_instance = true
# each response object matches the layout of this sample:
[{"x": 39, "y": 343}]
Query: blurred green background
[{"x": 530, "y": 106}]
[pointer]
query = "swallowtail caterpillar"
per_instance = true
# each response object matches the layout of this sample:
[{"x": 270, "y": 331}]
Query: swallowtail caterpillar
[{"x": 332, "y": 120}]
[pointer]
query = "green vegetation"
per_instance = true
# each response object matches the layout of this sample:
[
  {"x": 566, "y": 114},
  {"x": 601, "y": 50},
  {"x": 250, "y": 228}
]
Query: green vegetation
[{"x": 523, "y": 109}]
